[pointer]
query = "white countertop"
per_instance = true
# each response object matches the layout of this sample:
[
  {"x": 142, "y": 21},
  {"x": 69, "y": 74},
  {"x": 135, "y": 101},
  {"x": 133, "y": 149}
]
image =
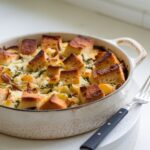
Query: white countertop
[{"x": 21, "y": 17}]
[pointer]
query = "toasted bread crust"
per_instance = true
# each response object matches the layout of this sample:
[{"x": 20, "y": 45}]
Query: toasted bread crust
[
  {"x": 108, "y": 70},
  {"x": 113, "y": 75},
  {"x": 28, "y": 46},
  {"x": 29, "y": 100},
  {"x": 81, "y": 42},
  {"x": 29, "y": 96},
  {"x": 1, "y": 69},
  {"x": 51, "y": 42},
  {"x": 78, "y": 44},
  {"x": 14, "y": 47},
  {"x": 54, "y": 73},
  {"x": 53, "y": 70},
  {"x": 53, "y": 103},
  {"x": 70, "y": 76},
  {"x": 73, "y": 62},
  {"x": 38, "y": 61},
  {"x": 7, "y": 57},
  {"x": 91, "y": 93},
  {"x": 3, "y": 94},
  {"x": 105, "y": 60}
]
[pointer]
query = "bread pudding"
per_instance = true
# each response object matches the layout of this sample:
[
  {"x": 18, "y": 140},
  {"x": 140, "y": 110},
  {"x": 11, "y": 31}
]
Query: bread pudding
[{"x": 56, "y": 74}]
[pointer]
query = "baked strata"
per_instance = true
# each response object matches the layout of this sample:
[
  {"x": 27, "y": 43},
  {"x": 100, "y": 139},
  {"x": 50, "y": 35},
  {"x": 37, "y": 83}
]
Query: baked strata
[{"x": 56, "y": 74}]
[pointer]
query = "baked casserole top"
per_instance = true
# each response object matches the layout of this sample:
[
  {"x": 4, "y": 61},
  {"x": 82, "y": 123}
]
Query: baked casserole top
[{"x": 56, "y": 74}]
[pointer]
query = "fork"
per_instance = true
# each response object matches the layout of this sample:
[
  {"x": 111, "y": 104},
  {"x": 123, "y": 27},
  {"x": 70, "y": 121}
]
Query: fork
[{"x": 142, "y": 97}]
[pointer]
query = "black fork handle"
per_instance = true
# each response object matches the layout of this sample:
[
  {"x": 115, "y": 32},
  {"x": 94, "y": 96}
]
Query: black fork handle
[{"x": 103, "y": 131}]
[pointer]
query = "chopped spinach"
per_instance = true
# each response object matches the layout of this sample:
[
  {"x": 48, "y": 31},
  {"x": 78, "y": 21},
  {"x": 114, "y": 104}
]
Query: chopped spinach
[{"x": 41, "y": 72}]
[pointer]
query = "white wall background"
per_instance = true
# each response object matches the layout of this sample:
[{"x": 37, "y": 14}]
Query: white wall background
[{"x": 132, "y": 11}]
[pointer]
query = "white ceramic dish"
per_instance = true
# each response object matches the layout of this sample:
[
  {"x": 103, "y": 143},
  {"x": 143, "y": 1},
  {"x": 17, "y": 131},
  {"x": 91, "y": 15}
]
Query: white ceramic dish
[{"x": 63, "y": 123}]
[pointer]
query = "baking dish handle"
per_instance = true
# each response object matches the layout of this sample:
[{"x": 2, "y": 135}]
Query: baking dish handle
[{"x": 125, "y": 41}]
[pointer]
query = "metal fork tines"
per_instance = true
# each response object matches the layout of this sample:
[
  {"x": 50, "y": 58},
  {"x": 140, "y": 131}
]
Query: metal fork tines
[
  {"x": 145, "y": 91},
  {"x": 142, "y": 97}
]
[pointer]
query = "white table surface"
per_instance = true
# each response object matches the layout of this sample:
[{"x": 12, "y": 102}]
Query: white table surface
[{"x": 21, "y": 17}]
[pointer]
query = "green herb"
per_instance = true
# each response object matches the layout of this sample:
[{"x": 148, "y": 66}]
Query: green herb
[
  {"x": 86, "y": 79},
  {"x": 89, "y": 60},
  {"x": 69, "y": 95},
  {"x": 69, "y": 86},
  {"x": 88, "y": 67},
  {"x": 50, "y": 90},
  {"x": 17, "y": 103},
  {"x": 41, "y": 72},
  {"x": 3, "y": 85},
  {"x": 17, "y": 74},
  {"x": 83, "y": 57}
]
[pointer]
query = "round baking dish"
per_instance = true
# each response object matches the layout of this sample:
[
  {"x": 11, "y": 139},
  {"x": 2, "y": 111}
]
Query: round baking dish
[{"x": 54, "y": 124}]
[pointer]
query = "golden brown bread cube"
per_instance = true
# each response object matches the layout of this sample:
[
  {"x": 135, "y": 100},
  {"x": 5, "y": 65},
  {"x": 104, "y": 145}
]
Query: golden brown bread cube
[
  {"x": 39, "y": 61},
  {"x": 54, "y": 73},
  {"x": 105, "y": 60},
  {"x": 70, "y": 76},
  {"x": 113, "y": 75},
  {"x": 29, "y": 100},
  {"x": 5, "y": 78},
  {"x": 1, "y": 69},
  {"x": 7, "y": 57},
  {"x": 52, "y": 42},
  {"x": 3, "y": 94},
  {"x": 12, "y": 49},
  {"x": 53, "y": 70},
  {"x": 54, "y": 102},
  {"x": 90, "y": 93},
  {"x": 78, "y": 44},
  {"x": 28, "y": 46},
  {"x": 73, "y": 62}
]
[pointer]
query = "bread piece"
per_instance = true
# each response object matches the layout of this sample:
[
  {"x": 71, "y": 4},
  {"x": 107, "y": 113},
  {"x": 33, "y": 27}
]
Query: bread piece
[
  {"x": 1, "y": 69},
  {"x": 105, "y": 60},
  {"x": 5, "y": 78},
  {"x": 78, "y": 44},
  {"x": 3, "y": 94},
  {"x": 73, "y": 62},
  {"x": 39, "y": 61},
  {"x": 54, "y": 74},
  {"x": 70, "y": 76},
  {"x": 54, "y": 102},
  {"x": 12, "y": 49},
  {"x": 90, "y": 93},
  {"x": 29, "y": 100},
  {"x": 28, "y": 46},
  {"x": 53, "y": 70},
  {"x": 52, "y": 42},
  {"x": 112, "y": 75},
  {"x": 7, "y": 57}
]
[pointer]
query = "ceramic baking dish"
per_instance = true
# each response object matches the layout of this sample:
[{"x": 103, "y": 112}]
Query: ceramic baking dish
[{"x": 52, "y": 124}]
